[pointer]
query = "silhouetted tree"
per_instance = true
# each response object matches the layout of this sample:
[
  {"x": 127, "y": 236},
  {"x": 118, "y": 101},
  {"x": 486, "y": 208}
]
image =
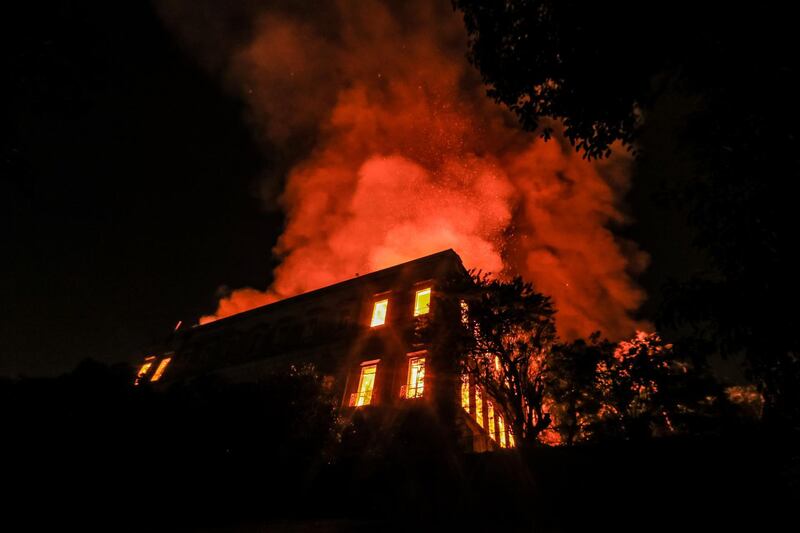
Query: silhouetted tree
[
  {"x": 509, "y": 330},
  {"x": 648, "y": 389},
  {"x": 574, "y": 385},
  {"x": 581, "y": 390},
  {"x": 637, "y": 388},
  {"x": 599, "y": 69}
]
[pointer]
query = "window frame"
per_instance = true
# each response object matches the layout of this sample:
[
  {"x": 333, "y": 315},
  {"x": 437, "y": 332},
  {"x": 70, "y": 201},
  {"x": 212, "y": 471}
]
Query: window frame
[
  {"x": 144, "y": 369},
  {"x": 490, "y": 420},
  {"x": 425, "y": 287},
  {"x": 419, "y": 390},
  {"x": 381, "y": 299},
  {"x": 358, "y": 395},
  {"x": 466, "y": 394},
  {"x": 479, "y": 407},
  {"x": 161, "y": 368},
  {"x": 501, "y": 430}
]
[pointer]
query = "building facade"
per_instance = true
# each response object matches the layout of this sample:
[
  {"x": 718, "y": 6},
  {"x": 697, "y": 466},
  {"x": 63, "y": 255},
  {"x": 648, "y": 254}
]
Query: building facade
[{"x": 370, "y": 336}]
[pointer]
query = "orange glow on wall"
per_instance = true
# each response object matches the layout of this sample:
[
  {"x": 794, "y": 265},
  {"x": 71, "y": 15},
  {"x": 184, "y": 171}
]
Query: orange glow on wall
[{"x": 379, "y": 313}]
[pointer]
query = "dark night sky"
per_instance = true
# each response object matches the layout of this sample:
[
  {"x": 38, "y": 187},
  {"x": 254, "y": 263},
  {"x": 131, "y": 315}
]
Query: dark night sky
[{"x": 128, "y": 188}]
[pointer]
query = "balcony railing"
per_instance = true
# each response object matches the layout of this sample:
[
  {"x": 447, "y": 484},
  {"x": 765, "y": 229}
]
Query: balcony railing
[
  {"x": 360, "y": 398},
  {"x": 410, "y": 393}
]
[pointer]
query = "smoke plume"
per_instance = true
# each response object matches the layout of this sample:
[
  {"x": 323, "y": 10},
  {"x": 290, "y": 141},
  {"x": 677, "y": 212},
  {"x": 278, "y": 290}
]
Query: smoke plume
[{"x": 403, "y": 155}]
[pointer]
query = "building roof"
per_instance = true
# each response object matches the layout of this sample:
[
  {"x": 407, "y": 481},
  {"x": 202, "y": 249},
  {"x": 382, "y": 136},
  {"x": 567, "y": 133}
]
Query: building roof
[
  {"x": 372, "y": 277},
  {"x": 240, "y": 339}
]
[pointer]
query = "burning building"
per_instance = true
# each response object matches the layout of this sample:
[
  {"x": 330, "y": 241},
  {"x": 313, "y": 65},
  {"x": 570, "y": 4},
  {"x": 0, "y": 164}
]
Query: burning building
[{"x": 370, "y": 336}]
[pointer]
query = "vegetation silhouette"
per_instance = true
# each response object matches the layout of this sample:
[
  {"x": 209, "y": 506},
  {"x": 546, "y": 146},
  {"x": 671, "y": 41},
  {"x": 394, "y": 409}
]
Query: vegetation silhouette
[
  {"x": 603, "y": 71},
  {"x": 636, "y": 435},
  {"x": 563, "y": 392}
]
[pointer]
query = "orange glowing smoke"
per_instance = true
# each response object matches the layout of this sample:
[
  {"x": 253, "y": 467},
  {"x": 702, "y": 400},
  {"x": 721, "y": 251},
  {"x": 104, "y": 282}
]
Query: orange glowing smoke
[{"x": 409, "y": 158}]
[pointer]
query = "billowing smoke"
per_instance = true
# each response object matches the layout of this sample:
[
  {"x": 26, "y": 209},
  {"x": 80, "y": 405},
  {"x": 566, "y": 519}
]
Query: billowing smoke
[{"x": 405, "y": 156}]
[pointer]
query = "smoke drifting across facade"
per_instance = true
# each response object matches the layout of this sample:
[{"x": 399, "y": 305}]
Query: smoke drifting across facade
[{"x": 399, "y": 153}]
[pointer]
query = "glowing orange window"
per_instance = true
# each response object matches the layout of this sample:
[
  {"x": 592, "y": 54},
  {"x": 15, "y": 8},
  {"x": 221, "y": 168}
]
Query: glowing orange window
[
  {"x": 144, "y": 369},
  {"x": 501, "y": 429},
  {"x": 465, "y": 392},
  {"x": 366, "y": 383},
  {"x": 491, "y": 428},
  {"x": 422, "y": 302},
  {"x": 416, "y": 377},
  {"x": 162, "y": 366},
  {"x": 379, "y": 313},
  {"x": 479, "y": 407}
]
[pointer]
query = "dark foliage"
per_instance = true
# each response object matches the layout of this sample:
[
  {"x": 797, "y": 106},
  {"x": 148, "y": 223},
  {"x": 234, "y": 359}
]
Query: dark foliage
[
  {"x": 574, "y": 385},
  {"x": 196, "y": 453},
  {"x": 600, "y": 68},
  {"x": 508, "y": 329},
  {"x": 567, "y": 392},
  {"x": 90, "y": 451}
]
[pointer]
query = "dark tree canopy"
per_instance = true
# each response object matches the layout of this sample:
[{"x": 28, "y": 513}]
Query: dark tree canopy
[
  {"x": 511, "y": 329},
  {"x": 600, "y": 69},
  {"x": 556, "y": 392},
  {"x": 598, "y": 66}
]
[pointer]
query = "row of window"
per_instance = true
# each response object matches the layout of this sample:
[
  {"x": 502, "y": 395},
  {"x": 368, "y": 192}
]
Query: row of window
[
  {"x": 422, "y": 306},
  {"x": 473, "y": 399},
  {"x": 414, "y": 387},
  {"x": 483, "y": 411},
  {"x": 148, "y": 364}
]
